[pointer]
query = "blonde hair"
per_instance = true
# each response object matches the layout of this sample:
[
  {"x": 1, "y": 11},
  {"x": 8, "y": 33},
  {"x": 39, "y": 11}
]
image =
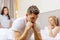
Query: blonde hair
[{"x": 55, "y": 19}]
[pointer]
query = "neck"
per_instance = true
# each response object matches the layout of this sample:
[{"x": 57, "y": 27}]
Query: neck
[{"x": 5, "y": 15}]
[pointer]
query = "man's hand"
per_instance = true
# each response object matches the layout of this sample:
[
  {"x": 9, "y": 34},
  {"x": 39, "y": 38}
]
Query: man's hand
[
  {"x": 25, "y": 34},
  {"x": 28, "y": 26},
  {"x": 37, "y": 34},
  {"x": 34, "y": 26}
]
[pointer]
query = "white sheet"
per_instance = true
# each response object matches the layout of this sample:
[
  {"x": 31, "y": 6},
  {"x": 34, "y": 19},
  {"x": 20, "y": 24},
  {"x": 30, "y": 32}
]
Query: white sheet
[
  {"x": 6, "y": 34},
  {"x": 3, "y": 34},
  {"x": 45, "y": 36}
]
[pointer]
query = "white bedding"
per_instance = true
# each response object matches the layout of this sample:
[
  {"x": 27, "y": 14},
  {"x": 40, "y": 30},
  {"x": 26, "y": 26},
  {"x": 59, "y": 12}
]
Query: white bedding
[
  {"x": 3, "y": 34},
  {"x": 45, "y": 36},
  {"x": 8, "y": 34}
]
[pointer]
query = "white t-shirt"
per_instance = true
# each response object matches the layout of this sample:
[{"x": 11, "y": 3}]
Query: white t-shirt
[
  {"x": 4, "y": 21},
  {"x": 20, "y": 24}
]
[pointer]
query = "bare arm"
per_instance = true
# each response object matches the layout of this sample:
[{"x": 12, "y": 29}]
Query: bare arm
[
  {"x": 54, "y": 33},
  {"x": 25, "y": 33},
  {"x": 37, "y": 34},
  {"x": 18, "y": 36}
]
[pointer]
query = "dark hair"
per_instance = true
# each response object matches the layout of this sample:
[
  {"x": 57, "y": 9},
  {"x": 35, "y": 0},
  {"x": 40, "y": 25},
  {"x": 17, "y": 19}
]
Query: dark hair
[
  {"x": 33, "y": 9},
  {"x": 57, "y": 22},
  {"x": 2, "y": 12}
]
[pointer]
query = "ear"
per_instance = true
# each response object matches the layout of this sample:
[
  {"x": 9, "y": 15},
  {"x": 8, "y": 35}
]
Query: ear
[
  {"x": 26, "y": 14},
  {"x": 37, "y": 16}
]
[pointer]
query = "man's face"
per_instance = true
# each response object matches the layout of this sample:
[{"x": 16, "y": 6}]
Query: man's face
[{"x": 32, "y": 17}]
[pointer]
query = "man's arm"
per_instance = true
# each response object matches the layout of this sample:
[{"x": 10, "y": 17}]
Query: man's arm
[
  {"x": 18, "y": 35},
  {"x": 37, "y": 34}
]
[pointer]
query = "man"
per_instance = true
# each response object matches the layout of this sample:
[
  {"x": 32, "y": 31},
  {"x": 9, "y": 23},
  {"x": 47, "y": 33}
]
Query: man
[{"x": 24, "y": 27}]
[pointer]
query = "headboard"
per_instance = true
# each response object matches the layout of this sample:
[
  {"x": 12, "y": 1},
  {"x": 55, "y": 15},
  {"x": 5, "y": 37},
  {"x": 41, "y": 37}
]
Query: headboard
[{"x": 43, "y": 17}]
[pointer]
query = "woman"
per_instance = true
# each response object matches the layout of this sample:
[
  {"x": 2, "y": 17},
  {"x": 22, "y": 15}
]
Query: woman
[
  {"x": 5, "y": 24},
  {"x": 51, "y": 32},
  {"x": 53, "y": 28},
  {"x": 5, "y": 20}
]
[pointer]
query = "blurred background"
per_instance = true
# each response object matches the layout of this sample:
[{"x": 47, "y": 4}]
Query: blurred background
[{"x": 18, "y": 8}]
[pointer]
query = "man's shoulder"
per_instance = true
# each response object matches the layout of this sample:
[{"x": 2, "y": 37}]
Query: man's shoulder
[{"x": 20, "y": 19}]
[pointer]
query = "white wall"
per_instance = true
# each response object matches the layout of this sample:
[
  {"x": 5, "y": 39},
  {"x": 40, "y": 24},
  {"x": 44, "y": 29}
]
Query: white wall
[
  {"x": 43, "y": 5},
  {"x": 43, "y": 17}
]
